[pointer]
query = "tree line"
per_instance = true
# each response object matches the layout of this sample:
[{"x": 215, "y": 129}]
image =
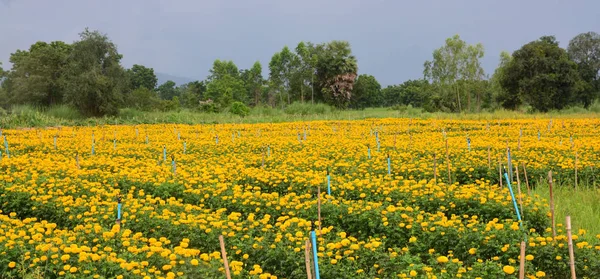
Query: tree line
[{"x": 89, "y": 76}]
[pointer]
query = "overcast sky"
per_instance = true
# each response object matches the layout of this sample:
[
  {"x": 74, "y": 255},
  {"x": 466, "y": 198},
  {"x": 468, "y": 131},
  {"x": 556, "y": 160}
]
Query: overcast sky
[{"x": 391, "y": 39}]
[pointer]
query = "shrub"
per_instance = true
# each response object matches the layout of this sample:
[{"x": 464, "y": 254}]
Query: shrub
[
  {"x": 298, "y": 108},
  {"x": 239, "y": 108}
]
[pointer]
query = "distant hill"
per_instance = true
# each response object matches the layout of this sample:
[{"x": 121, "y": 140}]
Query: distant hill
[{"x": 162, "y": 78}]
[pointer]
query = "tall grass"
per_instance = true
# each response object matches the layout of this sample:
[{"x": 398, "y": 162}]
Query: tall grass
[
  {"x": 28, "y": 116},
  {"x": 583, "y": 205}
]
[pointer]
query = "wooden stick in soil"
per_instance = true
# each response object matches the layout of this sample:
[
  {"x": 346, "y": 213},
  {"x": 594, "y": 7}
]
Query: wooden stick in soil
[
  {"x": 552, "y": 205},
  {"x": 319, "y": 207},
  {"x": 500, "y": 172},
  {"x": 522, "y": 262},
  {"x": 526, "y": 179},
  {"x": 571, "y": 253},
  {"x": 434, "y": 168},
  {"x": 519, "y": 191},
  {"x": 224, "y": 256},
  {"x": 307, "y": 259},
  {"x": 575, "y": 169},
  {"x": 448, "y": 163},
  {"x": 489, "y": 158}
]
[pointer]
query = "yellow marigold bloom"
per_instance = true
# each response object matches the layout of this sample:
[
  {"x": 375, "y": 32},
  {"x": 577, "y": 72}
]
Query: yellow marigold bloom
[
  {"x": 12, "y": 264},
  {"x": 508, "y": 269},
  {"x": 442, "y": 259}
]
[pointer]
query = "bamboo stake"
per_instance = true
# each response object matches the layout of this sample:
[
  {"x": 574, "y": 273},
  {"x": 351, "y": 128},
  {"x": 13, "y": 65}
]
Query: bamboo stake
[
  {"x": 522, "y": 262},
  {"x": 571, "y": 253},
  {"x": 519, "y": 191},
  {"x": 575, "y": 169},
  {"x": 489, "y": 158},
  {"x": 319, "y": 206},
  {"x": 434, "y": 167},
  {"x": 500, "y": 172},
  {"x": 552, "y": 205},
  {"x": 448, "y": 163},
  {"x": 307, "y": 259},
  {"x": 526, "y": 179},
  {"x": 224, "y": 255}
]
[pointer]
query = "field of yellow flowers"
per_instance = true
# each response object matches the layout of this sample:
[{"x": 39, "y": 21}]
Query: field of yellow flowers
[{"x": 182, "y": 186}]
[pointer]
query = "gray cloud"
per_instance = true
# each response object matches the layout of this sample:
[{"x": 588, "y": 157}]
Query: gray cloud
[{"x": 391, "y": 39}]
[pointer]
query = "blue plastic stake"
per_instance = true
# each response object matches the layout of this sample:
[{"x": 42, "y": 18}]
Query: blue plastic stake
[
  {"x": 512, "y": 195},
  {"x": 469, "y": 143},
  {"x": 232, "y": 137},
  {"x": 164, "y": 153},
  {"x": 369, "y": 151},
  {"x": 299, "y": 140},
  {"x": 173, "y": 166},
  {"x": 305, "y": 134},
  {"x": 268, "y": 151},
  {"x": 539, "y": 135},
  {"x": 115, "y": 144},
  {"x": 178, "y": 136},
  {"x": 315, "y": 255},
  {"x": 184, "y": 147},
  {"x": 119, "y": 211},
  {"x": 217, "y": 139},
  {"x": 93, "y": 150},
  {"x": 389, "y": 165},
  {"x": 328, "y": 184},
  {"x": 147, "y": 139},
  {"x": 239, "y": 134}
]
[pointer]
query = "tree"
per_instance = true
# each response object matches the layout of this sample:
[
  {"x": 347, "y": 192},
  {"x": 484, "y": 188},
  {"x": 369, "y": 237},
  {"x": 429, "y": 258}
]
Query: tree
[
  {"x": 306, "y": 62},
  {"x": 411, "y": 92},
  {"x": 366, "y": 92},
  {"x": 94, "y": 78},
  {"x": 336, "y": 69},
  {"x": 36, "y": 73},
  {"x": 140, "y": 76},
  {"x": 584, "y": 49},
  {"x": 455, "y": 67},
  {"x": 144, "y": 99},
  {"x": 191, "y": 93},
  {"x": 504, "y": 98},
  {"x": 224, "y": 84},
  {"x": 473, "y": 73},
  {"x": 542, "y": 73},
  {"x": 282, "y": 69},
  {"x": 167, "y": 90},
  {"x": 253, "y": 81}
]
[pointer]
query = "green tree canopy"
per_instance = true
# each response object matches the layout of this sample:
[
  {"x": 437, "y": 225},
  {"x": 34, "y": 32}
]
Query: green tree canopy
[
  {"x": 36, "y": 73},
  {"x": 542, "y": 73},
  {"x": 224, "y": 84},
  {"x": 336, "y": 71},
  {"x": 140, "y": 76},
  {"x": 94, "y": 78},
  {"x": 584, "y": 49},
  {"x": 167, "y": 90},
  {"x": 455, "y": 69},
  {"x": 366, "y": 92},
  {"x": 253, "y": 81}
]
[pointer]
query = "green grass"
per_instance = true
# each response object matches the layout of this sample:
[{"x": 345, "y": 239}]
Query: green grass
[
  {"x": 28, "y": 116},
  {"x": 583, "y": 205}
]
